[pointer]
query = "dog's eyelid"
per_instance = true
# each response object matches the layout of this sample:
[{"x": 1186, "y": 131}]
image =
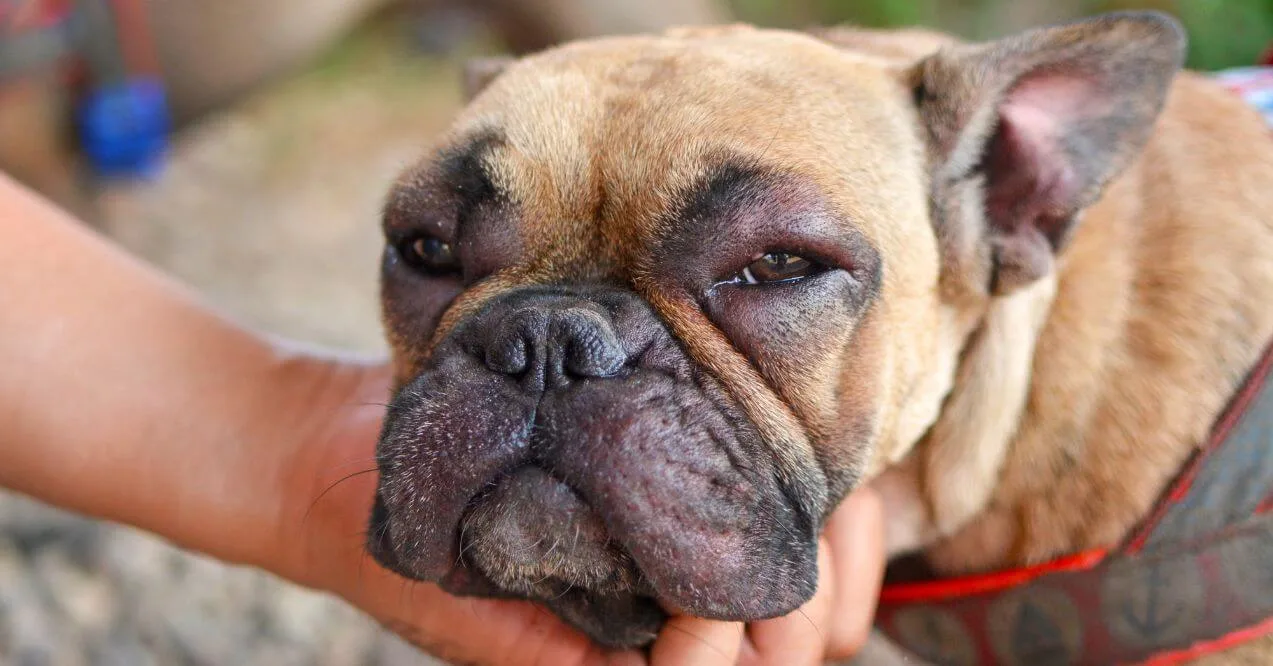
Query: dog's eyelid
[
  {"x": 397, "y": 231},
  {"x": 423, "y": 211},
  {"x": 430, "y": 255}
]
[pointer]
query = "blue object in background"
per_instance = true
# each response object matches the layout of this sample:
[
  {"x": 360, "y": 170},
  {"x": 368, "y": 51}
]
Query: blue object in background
[
  {"x": 124, "y": 128},
  {"x": 1255, "y": 84}
]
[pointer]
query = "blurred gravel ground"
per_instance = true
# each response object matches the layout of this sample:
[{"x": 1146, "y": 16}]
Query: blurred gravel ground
[{"x": 270, "y": 211}]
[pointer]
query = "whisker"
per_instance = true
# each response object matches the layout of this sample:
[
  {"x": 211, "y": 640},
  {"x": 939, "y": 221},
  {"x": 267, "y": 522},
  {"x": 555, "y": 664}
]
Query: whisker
[
  {"x": 569, "y": 587},
  {"x": 698, "y": 638},
  {"x": 540, "y": 610},
  {"x": 404, "y": 591},
  {"x": 811, "y": 624},
  {"x": 323, "y": 494},
  {"x": 411, "y": 588},
  {"x": 769, "y": 145},
  {"x": 464, "y": 547},
  {"x": 549, "y": 574},
  {"x": 355, "y": 461}
]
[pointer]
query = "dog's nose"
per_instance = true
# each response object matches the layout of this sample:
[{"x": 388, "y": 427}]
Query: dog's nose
[{"x": 549, "y": 343}]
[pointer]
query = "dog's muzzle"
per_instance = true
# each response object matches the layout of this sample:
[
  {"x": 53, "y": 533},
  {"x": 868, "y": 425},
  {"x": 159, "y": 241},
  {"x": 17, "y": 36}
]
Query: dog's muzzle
[{"x": 561, "y": 446}]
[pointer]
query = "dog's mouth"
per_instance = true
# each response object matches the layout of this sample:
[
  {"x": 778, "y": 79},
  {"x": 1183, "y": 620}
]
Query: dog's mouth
[
  {"x": 531, "y": 536},
  {"x": 607, "y": 497},
  {"x": 534, "y": 536}
]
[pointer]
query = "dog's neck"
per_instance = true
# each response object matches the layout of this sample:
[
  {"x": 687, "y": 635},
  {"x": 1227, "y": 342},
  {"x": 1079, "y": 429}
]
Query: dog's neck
[{"x": 1078, "y": 399}]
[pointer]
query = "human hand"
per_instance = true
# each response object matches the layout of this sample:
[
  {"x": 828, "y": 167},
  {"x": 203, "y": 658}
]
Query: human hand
[
  {"x": 835, "y": 624},
  {"x": 321, "y": 535}
]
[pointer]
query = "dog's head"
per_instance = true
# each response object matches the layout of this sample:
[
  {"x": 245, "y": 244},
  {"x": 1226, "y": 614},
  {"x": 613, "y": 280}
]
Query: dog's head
[{"x": 657, "y": 303}]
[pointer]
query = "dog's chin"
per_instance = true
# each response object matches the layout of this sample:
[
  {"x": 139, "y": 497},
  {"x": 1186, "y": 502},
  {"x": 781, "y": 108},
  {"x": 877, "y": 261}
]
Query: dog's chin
[
  {"x": 531, "y": 537},
  {"x": 626, "y": 621},
  {"x": 611, "y": 619},
  {"x": 616, "y": 620},
  {"x": 608, "y": 522}
]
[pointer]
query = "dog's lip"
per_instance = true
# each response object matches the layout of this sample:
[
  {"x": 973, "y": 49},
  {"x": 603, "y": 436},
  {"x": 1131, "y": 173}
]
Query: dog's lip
[
  {"x": 638, "y": 631},
  {"x": 380, "y": 545},
  {"x": 666, "y": 584},
  {"x": 467, "y": 580},
  {"x": 636, "y": 583}
]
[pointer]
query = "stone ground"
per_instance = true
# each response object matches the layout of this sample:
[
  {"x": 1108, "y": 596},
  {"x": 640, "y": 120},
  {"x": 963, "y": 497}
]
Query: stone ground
[{"x": 270, "y": 211}]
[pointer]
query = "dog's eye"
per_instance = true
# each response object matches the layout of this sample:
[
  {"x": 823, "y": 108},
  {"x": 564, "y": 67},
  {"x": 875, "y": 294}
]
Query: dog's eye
[
  {"x": 778, "y": 267},
  {"x": 429, "y": 254}
]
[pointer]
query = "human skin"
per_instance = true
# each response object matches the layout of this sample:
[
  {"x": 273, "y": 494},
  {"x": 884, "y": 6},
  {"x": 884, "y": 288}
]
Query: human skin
[{"x": 125, "y": 398}]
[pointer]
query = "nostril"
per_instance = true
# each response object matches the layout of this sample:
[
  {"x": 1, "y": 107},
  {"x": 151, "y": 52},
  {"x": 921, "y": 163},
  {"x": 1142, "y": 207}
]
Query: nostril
[
  {"x": 550, "y": 344},
  {"x": 596, "y": 353}
]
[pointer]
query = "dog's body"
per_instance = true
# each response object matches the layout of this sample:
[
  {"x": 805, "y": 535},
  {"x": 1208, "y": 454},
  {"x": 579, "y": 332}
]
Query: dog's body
[
  {"x": 1161, "y": 308},
  {"x": 1158, "y": 313},
  {"x": 1010, "y": 285}
]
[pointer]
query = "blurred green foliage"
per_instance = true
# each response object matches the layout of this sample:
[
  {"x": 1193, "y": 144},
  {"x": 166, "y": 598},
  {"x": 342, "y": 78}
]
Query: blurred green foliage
[{"x": 1222, "y": 33}]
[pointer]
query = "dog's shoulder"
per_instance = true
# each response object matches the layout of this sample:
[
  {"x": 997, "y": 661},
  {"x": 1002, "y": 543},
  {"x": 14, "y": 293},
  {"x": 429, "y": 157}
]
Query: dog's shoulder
[{"x": 1205, "y": 123}]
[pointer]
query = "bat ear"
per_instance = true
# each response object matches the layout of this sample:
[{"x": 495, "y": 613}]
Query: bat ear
[
  {"x": 478, "y": 73},
  {"x": 1032, "y": 128}
]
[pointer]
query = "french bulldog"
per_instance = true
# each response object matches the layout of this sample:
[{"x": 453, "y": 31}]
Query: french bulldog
[{"x": 656, "y": 303}]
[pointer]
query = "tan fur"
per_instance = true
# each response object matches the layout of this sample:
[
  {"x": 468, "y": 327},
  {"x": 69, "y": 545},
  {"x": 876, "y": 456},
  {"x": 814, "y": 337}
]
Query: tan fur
[
  {"x": 619, "y": 88},
  {"x": 1155, "y": 322},
  {"x": 1005, "y": 431},
  {"x": 966, "y": 448}
]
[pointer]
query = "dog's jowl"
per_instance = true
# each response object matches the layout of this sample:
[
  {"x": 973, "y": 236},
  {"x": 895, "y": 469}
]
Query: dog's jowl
[{"x": 658, "y": 303}]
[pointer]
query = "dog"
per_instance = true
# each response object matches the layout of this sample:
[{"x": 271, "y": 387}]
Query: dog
[{"x": 656, "y": 303}]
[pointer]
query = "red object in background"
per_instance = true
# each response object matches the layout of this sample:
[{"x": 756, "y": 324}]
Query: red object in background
[
  {"x": 135, "y": 40},
  {"x": 1267, "y": 58},
  {"x": 19, "y": 15}
]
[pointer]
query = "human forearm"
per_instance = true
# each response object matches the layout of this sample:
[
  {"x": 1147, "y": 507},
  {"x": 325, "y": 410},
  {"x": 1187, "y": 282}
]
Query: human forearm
[{"x": 122, "y": 397}]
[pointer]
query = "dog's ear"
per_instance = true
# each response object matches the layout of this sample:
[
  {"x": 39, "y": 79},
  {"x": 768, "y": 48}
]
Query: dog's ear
[
  {"x": 477, "y": 73},
  {"x": 1025, "y": 132}
]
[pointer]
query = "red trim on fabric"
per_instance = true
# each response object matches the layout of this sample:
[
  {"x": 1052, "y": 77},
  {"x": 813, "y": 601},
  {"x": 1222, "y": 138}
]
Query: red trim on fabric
[
  {"x": 1219, "y": 434},
  {"x": 36, "y": 15},
  {"x": 963, "y": 586},
  {"x": 136, "y": 42},
  {"x": 1265, "y": 506},
  {"x": 1203, "y": 648}
]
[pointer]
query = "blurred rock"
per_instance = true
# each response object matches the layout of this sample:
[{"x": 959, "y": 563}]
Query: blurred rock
[{"x": 213, "y": 52}]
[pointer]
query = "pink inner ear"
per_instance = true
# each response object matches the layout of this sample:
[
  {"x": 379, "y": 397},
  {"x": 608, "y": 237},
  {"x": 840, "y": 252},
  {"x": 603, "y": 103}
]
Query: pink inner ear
[
  {"x": 1060, "y": 96},
  {"x": 1030, "y": 177}
]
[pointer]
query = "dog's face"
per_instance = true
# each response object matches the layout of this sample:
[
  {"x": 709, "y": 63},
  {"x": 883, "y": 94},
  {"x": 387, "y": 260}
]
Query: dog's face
[{"x": 657, "y": 303}]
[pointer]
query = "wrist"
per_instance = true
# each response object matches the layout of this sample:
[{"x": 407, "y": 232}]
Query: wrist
[{"x": 325, "y": 425}]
